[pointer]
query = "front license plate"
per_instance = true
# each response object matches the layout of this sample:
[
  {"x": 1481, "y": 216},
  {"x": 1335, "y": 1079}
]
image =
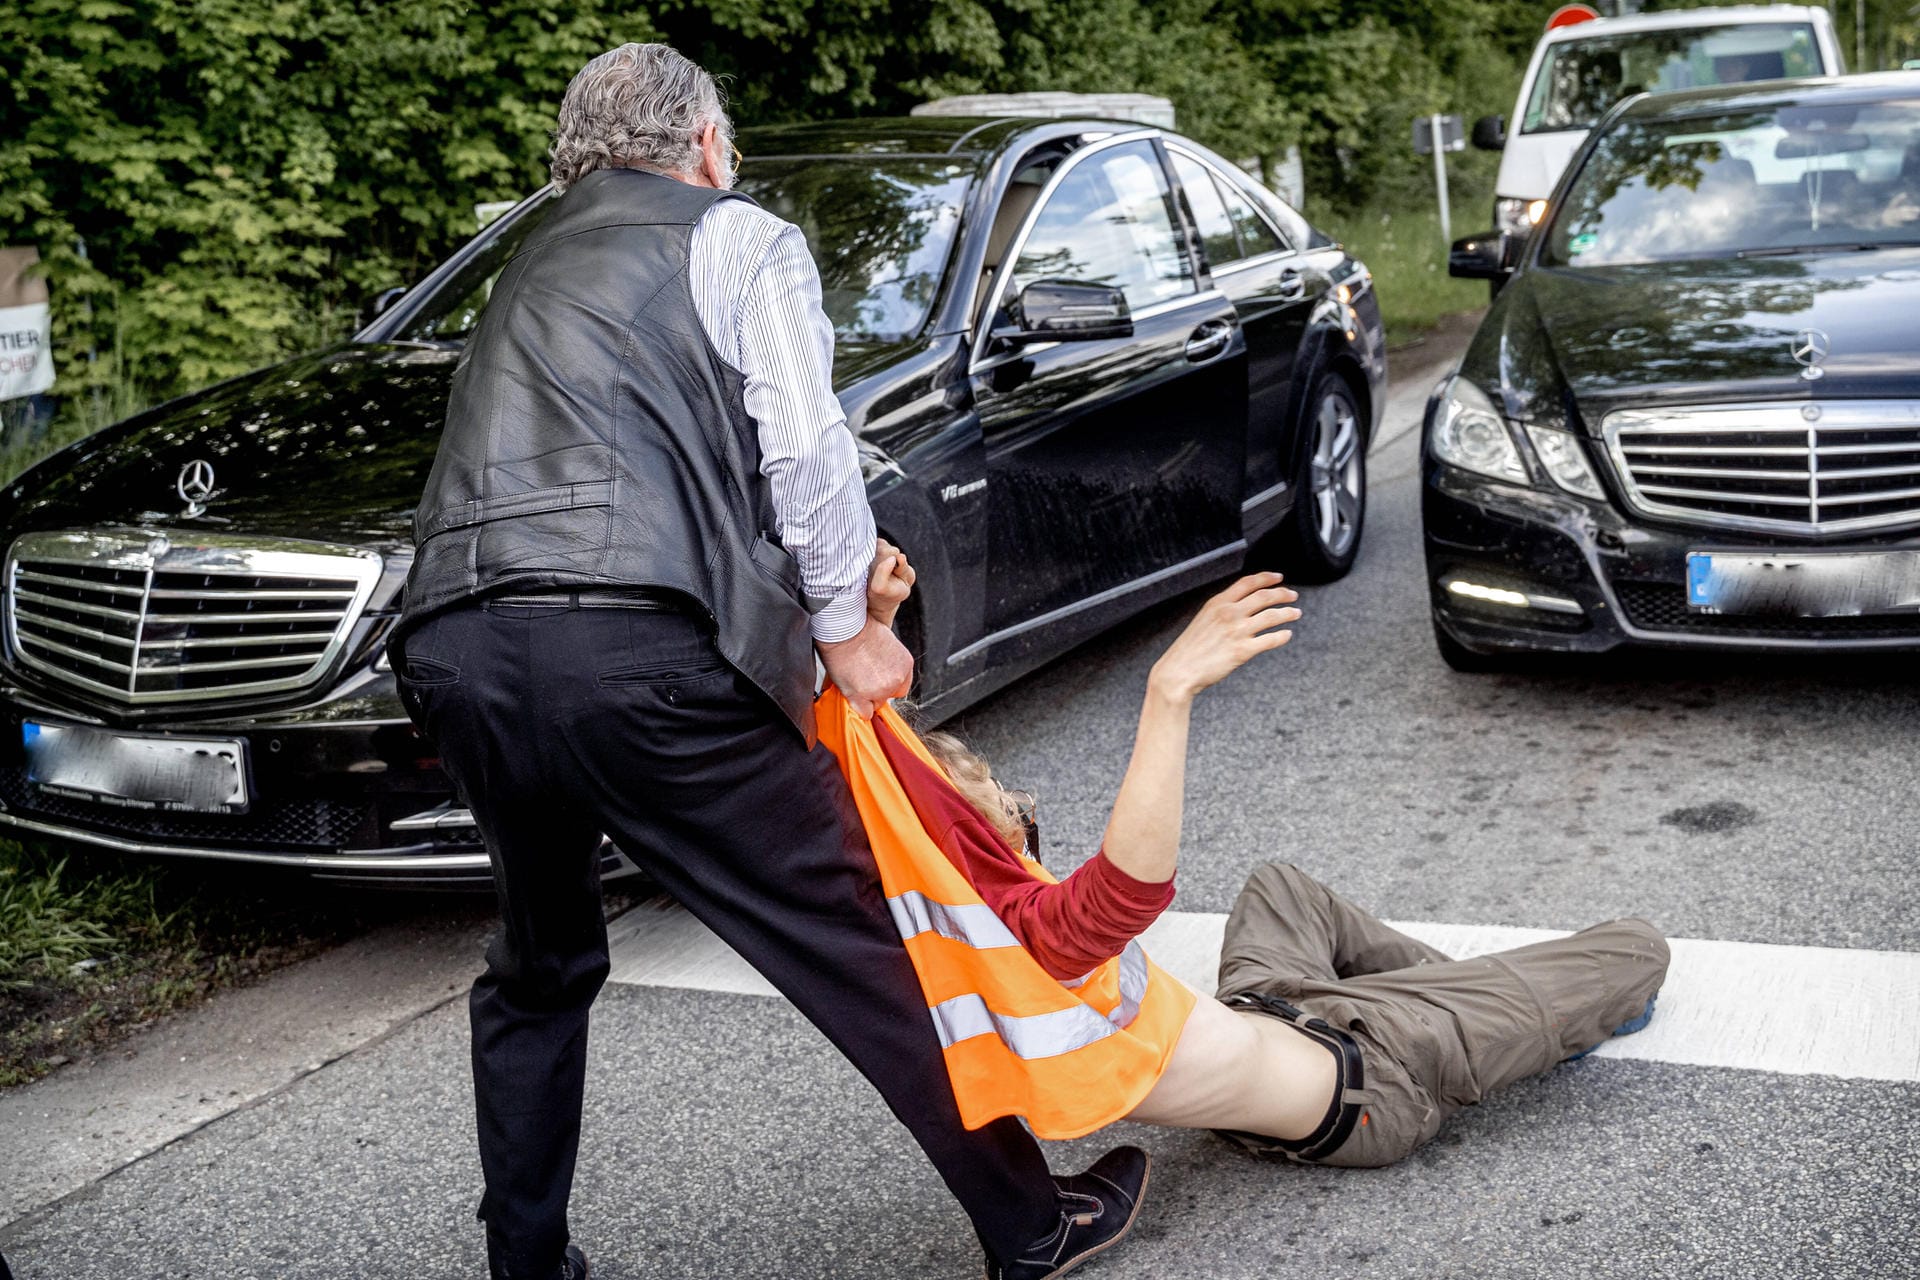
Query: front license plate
[
  {"x": 1830, "y": 584},
  {"x": 193, "y": 775}
]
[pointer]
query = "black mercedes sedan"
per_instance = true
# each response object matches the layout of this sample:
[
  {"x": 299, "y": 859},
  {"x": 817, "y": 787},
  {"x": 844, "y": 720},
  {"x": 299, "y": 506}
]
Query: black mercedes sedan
[
  {"x": 1089, "y": 365},
  {"x": 1692, "y": 418}
]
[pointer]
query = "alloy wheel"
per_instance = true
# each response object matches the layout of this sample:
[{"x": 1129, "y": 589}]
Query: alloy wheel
[{"x": 1336, "y": 474}]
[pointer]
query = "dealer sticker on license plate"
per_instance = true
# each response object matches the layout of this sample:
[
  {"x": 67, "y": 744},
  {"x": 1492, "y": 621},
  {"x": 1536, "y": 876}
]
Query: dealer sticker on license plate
[
  {"x": 136, "y": 771},
  {"x": 1815, "y": 584}
]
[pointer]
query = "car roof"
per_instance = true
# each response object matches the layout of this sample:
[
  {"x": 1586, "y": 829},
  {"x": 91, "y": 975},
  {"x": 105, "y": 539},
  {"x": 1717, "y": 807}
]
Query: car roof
[
  {"x": 1880, "y": 86},
  {"x": 978, "y": 137},
  {"x": 1669, "y": 19}
]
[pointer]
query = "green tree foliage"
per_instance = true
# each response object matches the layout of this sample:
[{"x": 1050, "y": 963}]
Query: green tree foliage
[{"x": 215, "y": 183}]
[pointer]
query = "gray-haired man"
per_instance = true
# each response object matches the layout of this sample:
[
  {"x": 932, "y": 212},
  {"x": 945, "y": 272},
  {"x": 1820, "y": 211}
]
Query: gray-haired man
[{"x": 645, "y": 518}]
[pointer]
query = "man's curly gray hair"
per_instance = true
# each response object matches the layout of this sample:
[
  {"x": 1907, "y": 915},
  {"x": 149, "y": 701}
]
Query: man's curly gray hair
[{"x": 641, "y": 106}]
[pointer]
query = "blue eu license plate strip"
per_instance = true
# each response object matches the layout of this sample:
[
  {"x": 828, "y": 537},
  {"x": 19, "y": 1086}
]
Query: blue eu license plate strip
[{"x": 1699, "y": 580}]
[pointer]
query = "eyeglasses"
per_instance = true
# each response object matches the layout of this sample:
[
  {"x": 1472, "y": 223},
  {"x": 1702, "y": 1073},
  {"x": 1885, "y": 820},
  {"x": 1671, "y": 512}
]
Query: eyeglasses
[
  {"x": 1026, "y": 808},
  {"x": 737, "y": 157}
]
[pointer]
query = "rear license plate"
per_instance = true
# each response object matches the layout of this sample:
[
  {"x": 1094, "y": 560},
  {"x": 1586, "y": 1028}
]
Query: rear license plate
[
  {"x": 132, "y": 771},
  {"x": 1829, "y": 584}
]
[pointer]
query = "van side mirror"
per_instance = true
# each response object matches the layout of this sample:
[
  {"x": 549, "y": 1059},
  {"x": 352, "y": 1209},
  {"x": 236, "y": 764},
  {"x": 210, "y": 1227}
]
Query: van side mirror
[
  {"x": 1067, "y": 311},
  {"x": 1490, "y": 133},
  {"x": 1491, "y": 255}
]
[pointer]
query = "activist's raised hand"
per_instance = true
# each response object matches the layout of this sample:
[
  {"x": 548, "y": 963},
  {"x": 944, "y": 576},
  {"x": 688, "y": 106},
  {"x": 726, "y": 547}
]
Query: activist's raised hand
[{"x": 1249, "y": 618}]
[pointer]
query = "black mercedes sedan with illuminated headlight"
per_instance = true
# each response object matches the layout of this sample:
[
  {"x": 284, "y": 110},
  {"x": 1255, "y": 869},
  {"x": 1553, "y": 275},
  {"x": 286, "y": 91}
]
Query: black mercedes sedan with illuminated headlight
[
  {"x": 1088, "y": 365},
  {"x": 1692, "y": 417}
]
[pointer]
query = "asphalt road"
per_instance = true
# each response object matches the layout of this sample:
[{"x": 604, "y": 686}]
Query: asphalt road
[{"x": 1757, "y": 802}]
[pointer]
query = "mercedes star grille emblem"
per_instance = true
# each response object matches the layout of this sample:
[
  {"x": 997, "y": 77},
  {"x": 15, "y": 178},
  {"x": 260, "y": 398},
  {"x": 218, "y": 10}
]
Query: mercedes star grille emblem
[
  {"x": 195, "y": 486},
  {"x": 1810, "y": 347}
]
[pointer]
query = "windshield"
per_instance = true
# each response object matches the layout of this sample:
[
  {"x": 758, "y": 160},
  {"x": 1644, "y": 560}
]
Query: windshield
[
  {"x": 1580, "y": 80},
  {"x": 1780, "y": 180},
  {"x": 451, "y": 311},
  {"x": 881, "y": 231}
]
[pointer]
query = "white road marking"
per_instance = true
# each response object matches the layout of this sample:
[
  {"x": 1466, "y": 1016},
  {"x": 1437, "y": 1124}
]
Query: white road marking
[
  {"x": 657, "y": 944},
  {"x": 1748, "y": 1005}
]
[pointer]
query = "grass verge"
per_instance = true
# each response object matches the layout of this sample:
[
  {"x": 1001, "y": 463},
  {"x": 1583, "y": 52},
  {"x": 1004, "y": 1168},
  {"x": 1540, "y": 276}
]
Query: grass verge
[
  {"x": 1408, "y": 257},
  {"x": 91, "y": 948}
]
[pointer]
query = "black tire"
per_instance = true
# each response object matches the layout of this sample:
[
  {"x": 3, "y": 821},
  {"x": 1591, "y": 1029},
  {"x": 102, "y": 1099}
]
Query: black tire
[
  {"x": 1320, "y": 537},
  {"x": 1463, "y": 659}
]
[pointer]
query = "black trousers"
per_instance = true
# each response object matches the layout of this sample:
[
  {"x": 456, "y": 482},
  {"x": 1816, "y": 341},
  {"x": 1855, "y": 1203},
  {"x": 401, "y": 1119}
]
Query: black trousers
[{"x": 560, "y": 723}]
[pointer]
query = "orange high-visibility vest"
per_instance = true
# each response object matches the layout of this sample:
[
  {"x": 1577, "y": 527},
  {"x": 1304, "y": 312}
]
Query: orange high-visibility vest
[{"x": 1070, "y": 1057}]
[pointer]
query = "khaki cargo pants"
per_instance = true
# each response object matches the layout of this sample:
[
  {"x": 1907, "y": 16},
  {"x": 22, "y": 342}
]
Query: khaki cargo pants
[{"x": 1435, "y": 1034}]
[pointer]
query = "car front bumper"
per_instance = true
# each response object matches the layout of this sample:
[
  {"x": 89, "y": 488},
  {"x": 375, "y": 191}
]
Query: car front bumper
[
  {"x": 343, "y": 788},
  {"x": 1544, "y": 571}
]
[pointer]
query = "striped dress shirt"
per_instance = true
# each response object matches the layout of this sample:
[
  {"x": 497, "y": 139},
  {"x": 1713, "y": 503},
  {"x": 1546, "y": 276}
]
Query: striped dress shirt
[{"x": 757, "y": 292}]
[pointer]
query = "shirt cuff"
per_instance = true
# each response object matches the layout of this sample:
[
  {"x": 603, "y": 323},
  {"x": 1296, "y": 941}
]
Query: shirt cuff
[
  {"x": 1156, "y": 892},
  {"x": 843, "y": 617}
]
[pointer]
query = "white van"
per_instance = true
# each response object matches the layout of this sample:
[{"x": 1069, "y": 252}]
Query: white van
[{"x": 1581, "y": 68}]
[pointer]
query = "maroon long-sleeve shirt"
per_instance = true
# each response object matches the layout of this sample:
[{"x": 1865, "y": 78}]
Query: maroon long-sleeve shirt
[{"x": 1070, "y": 927}]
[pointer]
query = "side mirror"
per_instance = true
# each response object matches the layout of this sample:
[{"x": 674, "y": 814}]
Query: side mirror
[
  {"x": 1066, "y": 311},
  {"x": 1490, "y": 133},
  {"x": 1491, "y": 255},
  {"x": 376, "y": 306}
]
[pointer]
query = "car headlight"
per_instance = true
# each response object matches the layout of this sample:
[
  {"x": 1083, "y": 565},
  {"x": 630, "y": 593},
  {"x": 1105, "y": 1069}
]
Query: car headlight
[
  {"x": 1566, "y": 461},
  {"x": 1517, "y": 217},
  {"x": 1472, "y": 435}
]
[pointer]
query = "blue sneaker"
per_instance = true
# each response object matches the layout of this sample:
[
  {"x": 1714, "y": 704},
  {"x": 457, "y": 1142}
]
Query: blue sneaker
[{"x": 1636, "y": 1023}]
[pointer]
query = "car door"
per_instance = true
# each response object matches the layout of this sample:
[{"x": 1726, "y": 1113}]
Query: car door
[
  {"x": 1110, "y": 460},
  {"x": 1269, "y": 285}
]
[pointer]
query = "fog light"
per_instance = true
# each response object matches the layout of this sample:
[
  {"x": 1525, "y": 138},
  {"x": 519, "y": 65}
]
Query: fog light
[{"x": 1511, "y": 598}]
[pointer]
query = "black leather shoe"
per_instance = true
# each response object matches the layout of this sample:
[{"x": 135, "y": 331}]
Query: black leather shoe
[
  {"x": 572, "y": 1267},
  {"x": 1096, "y": 1210}
]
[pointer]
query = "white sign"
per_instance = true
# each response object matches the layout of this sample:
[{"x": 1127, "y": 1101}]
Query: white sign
[{"x": 26, "y": 326}]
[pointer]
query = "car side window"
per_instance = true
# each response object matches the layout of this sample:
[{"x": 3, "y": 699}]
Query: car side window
[
  {"x": 1111, "y": 222},
  {"x": 1209, "y": 210},
  {"x": 1256, "y": 233}
]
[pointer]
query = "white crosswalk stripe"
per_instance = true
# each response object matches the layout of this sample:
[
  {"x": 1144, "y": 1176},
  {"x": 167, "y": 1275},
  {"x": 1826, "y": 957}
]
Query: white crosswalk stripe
[{"x": 1747, "y": 1005}]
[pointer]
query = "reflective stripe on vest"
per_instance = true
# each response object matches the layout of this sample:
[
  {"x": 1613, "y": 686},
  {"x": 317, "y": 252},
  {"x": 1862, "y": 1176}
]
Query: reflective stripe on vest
[
  {"x": 1068, "y": 1057},
  {"x": 1046, "y": 1035},
  {"x": 973, "y": 923}
]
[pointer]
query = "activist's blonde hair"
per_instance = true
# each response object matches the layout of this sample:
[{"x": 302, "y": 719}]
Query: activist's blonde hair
[
  {"x": 640, "y": 106},
  {"x": 974, "y": 781}
]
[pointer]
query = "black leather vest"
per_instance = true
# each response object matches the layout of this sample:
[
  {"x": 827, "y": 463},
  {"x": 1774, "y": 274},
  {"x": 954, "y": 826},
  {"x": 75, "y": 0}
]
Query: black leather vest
[{"x": 595, "y": 438}]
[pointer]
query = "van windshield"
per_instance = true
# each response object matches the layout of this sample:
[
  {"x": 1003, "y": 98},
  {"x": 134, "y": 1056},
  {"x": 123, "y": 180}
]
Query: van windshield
[{"x": 1580, "y": 80}]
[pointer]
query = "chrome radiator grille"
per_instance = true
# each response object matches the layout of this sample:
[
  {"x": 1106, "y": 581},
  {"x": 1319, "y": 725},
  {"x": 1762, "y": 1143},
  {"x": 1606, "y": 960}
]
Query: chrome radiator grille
[
  {"x": 1838, "y": 467},
  {"x": 140, "y": 618}
]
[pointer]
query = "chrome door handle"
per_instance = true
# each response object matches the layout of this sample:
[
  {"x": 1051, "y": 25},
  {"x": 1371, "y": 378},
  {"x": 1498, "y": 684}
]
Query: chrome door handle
[
  {"x": 1292, "y": 283},
  {"x": 1209, "y": 340}
]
